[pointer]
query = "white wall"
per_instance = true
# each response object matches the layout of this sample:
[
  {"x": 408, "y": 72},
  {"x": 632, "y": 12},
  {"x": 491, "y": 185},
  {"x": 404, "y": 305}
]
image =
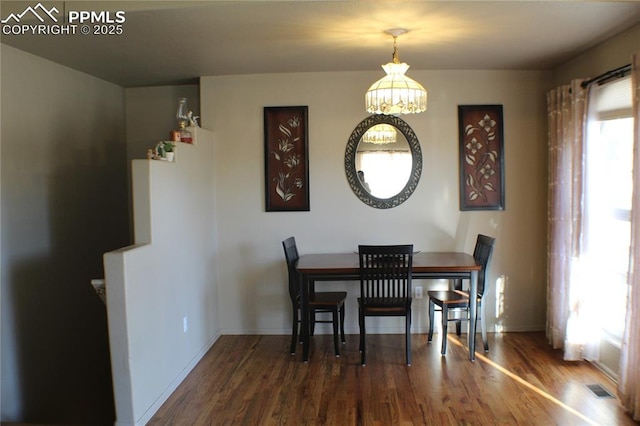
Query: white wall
[
  {"x": 250, "y": 253},
  {"x": 167, "y": 276}
]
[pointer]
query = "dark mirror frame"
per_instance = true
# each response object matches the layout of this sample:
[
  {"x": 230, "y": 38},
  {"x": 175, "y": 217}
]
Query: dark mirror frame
[{"x": 350, "y": 161}]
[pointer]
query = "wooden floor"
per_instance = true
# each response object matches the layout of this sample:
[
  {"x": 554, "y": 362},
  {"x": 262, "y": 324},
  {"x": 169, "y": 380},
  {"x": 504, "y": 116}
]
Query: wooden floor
[{"x": 254, "y": 380}]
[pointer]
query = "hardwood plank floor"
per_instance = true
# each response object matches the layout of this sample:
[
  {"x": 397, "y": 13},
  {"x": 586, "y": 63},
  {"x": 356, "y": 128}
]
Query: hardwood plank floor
[{"x": 253, "y": 380}]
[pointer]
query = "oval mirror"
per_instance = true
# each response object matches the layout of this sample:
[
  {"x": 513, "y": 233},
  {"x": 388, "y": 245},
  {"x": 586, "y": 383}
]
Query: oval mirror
[{"x": 383, "y": 161}]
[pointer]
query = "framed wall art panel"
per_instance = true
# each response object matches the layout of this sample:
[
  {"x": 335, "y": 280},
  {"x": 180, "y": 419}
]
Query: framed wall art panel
[
  {"x": 481, "y": 150},
  {"x": 286, "y": 158}
]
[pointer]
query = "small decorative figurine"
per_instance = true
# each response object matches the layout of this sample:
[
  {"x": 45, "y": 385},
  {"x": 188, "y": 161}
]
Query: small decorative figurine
[{"x": 193, "y": 119}]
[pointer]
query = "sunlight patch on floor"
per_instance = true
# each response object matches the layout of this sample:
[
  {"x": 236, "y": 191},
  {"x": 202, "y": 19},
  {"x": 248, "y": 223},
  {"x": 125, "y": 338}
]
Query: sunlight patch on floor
[{"x": 527, "y": 384}]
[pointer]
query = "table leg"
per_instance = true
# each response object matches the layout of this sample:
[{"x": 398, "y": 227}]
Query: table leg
[
  {"x": 304, "y": 313},
  {"x": 473, "y": 314}
]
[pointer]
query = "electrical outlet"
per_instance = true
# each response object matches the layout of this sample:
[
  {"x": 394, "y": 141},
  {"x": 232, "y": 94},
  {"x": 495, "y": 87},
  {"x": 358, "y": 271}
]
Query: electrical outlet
[
  {"x": 418, "y": 292},
  {"x": 185, "y": 324}
]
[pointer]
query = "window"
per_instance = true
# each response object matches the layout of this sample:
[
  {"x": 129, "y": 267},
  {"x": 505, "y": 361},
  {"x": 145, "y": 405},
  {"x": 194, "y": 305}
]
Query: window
[{"x": 609, "y": 161}]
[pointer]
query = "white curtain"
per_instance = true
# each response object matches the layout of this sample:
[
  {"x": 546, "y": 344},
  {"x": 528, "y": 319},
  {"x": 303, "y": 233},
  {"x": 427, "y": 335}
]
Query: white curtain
[
  {"x": 629, "y": 383},
  {"x": 566, "y": 306}
]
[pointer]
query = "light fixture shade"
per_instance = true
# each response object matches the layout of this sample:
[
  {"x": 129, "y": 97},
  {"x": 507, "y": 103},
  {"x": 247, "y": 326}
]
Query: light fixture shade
[
  {"x": 380, "y": 134},
  {"x": 396, "y": 93}
]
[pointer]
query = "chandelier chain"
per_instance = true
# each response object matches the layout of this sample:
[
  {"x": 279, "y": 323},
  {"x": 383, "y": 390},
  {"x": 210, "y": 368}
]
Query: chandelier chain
[{"x": 395, "y": 56}]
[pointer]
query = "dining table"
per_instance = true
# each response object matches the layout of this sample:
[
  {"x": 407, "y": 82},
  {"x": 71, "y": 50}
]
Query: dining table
[{"x": 320, "y": 267}]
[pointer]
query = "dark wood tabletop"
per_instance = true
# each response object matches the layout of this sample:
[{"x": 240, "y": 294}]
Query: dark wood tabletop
[{"x": 348, "y": 263}]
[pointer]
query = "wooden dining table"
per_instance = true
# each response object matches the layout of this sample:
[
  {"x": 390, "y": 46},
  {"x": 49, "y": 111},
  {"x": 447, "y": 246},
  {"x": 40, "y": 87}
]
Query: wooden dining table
[{"x": 346, "y": 267}]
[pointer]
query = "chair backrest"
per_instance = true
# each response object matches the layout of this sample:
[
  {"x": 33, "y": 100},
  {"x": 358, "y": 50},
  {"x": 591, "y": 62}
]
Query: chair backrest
[
  {"x": 385, "y": 271},
  {"x": 292, "y": 256},
  {"x": 482, "y": 254}
]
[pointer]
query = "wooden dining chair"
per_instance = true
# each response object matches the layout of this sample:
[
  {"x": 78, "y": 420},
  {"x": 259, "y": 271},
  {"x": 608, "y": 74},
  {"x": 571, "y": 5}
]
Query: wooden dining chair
[
  {"x": 319, "y": 302},
  {"x": 385, "y": 288},
  {"x": 456, "y": 301}
]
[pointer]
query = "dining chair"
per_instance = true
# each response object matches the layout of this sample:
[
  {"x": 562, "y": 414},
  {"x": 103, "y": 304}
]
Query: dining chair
[
  {"x": 456, "y": 301},
  {"x": 385, "y": 288},
  {"x": 319, "y": 302}
]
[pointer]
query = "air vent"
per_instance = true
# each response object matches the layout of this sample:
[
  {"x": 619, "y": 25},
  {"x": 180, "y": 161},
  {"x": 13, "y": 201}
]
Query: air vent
[{"x": 600, "y": 391}]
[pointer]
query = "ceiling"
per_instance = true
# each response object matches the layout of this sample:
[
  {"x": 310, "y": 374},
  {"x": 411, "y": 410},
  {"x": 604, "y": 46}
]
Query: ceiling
[{"x": 170, "y": 42}]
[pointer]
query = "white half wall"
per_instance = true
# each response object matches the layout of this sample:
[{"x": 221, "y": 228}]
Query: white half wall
[
  {"x": 162, "y": 291},
  {"x": 251, "y": 259}
]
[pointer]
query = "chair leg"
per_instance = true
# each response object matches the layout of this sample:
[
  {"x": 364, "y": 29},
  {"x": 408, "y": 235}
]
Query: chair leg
[
  {"x": 363, "y": 343},
  {"x": 360, "y": 327},
  {"x": 408, "y": 336},
  {"x": 336, "y": 345},
  {"x": 483, "y": 326},
  {"x": 294, "y": 332},
  {"x": 312, "y": 312},
  {"x": 342, "y": 324},
  {"x": 431, "y": 315},
  {"x": 445, "y": 317},
  {"x": 457, "y": 284}
]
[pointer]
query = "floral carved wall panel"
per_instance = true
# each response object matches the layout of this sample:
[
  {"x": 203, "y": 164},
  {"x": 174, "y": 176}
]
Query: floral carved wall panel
[
  {"x": 286, "y": 158},
  {"x": 481, "y": 157}
]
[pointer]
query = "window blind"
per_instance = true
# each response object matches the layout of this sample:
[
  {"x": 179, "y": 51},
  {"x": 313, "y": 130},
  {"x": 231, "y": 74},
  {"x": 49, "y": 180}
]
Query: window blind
[{"x": 613, "y": 99}]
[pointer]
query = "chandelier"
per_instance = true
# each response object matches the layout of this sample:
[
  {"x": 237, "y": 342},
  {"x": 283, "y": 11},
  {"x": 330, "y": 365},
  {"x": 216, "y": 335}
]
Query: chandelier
[
  {"x": 380, "y": 134},
  {"x": 396, "y": 93}
]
